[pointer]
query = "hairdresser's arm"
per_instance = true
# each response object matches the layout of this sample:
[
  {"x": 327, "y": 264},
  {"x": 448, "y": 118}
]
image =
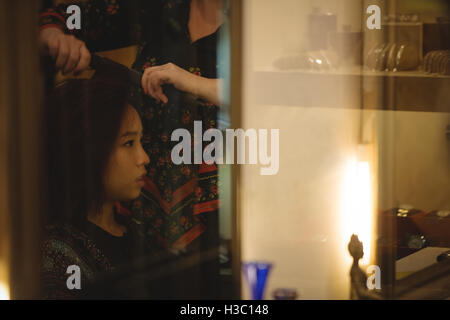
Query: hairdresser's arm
[{"x": 154, "y": 77}]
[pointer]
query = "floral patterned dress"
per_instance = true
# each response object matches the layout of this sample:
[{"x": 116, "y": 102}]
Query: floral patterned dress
[{"x": 178, "y": 200}]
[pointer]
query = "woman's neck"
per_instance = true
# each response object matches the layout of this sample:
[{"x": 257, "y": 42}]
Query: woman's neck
[
  {"x": 205, "y": 17},
  {"x": 209, "y": 10},
  {"x": 105, "y": 219}
]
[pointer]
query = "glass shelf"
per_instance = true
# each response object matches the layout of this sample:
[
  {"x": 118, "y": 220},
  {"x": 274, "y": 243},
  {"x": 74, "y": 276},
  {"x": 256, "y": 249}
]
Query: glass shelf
[{"x": 403, "y": 91}]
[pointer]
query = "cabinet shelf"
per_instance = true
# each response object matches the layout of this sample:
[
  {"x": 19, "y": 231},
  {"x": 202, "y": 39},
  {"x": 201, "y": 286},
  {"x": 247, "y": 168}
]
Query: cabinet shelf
[{"x": 400, "y": 91}]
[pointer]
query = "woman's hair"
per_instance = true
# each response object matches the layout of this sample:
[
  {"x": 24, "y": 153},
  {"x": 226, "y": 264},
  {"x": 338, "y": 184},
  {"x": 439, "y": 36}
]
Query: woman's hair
[{"x": 83, "y": 119}]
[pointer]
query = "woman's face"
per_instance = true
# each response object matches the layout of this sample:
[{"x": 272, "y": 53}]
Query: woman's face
[{"x": 126, "y": 166}]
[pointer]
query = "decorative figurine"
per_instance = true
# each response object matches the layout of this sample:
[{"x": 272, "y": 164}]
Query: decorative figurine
[{"x": 358, "y": 289}]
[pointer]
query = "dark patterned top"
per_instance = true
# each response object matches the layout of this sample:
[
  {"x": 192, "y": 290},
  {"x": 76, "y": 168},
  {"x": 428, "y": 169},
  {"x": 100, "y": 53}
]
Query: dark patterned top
[
  {"x": 93, "y": 250},
  {"x": 179, "y": 203}
]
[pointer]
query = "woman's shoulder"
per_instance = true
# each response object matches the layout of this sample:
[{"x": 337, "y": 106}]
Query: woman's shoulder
[
  {"x": 64, "y": 238},
  {"x": 59, "y": 251},
  {"x": 66, "y": 248},
  {"x": 65, "y": 245}
]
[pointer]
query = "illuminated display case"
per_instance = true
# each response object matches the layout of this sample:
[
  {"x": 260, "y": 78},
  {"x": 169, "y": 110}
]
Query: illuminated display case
[{"x": 363, "y": 121}]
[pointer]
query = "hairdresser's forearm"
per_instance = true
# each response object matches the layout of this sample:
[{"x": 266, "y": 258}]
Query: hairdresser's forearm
[{"x": 207, "y": 89}]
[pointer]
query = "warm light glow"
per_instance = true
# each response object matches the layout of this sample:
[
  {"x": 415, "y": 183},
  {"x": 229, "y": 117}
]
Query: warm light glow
[
  {"x": 357, "y": 210},
  {"x": 4, "y": 292},
  {"x": 4, "y": 287}
]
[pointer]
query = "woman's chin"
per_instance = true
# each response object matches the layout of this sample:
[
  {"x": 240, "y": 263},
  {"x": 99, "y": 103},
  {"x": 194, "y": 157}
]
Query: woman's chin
[
  {"x": 131, "y": 196},
  {"x": 136, "y": 195}
]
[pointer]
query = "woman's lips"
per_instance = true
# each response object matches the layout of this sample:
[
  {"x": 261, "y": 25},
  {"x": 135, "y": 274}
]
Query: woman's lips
[{"x": 141, "y": 181}]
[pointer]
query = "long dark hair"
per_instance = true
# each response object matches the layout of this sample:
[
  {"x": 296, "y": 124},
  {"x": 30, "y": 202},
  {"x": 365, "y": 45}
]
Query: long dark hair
[{"x": 83, "y": 119}]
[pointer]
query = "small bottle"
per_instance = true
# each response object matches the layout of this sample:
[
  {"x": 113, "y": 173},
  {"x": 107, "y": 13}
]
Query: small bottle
[
  {"x": 285, "y": 294},
  {"x": 319, "y": 26}
]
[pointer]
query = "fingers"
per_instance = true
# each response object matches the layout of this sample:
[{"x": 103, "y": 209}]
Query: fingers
[
  {"x": 85, "y": 60},
  {"x": 146, "y": 78},
  {"x": 156, "y": 83},
  {"x": 53, "y": 46},
  {"x": 144, "y": 81},
  {"x": 70, "y": 53},
  {"x": 152, "y": 81},
  {"x": 153, "y": 86},
  {"x": 74, "y": 56},
  {"x": 63, "y": 53}
]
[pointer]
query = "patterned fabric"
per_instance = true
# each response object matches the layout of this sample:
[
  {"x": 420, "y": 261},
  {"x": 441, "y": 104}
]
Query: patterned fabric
[
  {"x": 64, "y": 246},
  {"x": 105, "y": 24},
  {"x": 179, "y": 203},
  {"x": 96, "y": 252}
]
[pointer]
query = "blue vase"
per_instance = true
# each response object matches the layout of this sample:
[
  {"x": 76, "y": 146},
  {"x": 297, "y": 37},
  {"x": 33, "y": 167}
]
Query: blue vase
[{"x": 256, "y": 274}]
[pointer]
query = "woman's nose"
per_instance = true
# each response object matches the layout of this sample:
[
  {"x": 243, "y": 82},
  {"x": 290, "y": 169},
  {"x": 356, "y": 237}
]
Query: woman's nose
[{"x": 144, "y": 159}]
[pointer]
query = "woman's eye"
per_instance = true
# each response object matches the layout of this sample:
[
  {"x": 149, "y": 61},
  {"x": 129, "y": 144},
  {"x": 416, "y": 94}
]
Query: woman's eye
[{"x": 129, "y": 143}]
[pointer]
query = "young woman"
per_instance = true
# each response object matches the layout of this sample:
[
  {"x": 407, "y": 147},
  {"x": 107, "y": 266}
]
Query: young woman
[{"x": 94, "y": 159}]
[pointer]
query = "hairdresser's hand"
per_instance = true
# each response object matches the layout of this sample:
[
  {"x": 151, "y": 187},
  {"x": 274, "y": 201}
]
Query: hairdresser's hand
[
  {"x": 154, "y": 77},
  {"x": 69, "y": 53}
]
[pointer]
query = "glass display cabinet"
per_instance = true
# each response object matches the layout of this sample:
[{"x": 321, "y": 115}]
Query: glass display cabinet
[{"x": 363, "y": 113}]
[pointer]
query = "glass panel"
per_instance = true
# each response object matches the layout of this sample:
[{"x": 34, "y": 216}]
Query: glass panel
[
  {"x": 131, "y": 201},
  {"x": 361, "y": 105}
]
